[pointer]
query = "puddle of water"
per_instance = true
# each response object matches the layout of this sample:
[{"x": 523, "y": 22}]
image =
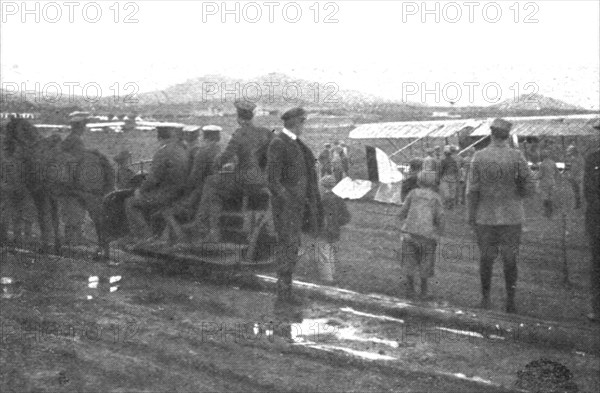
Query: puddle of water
[
  {"x": 114, "y": 279},
  {"x": 360, "y": 354},
  {"x": 463, "y": 332},
  {"x": 10, "y": 288},
  {"x": 316, "y": 330},
  {"x": 364, "y": 314}
]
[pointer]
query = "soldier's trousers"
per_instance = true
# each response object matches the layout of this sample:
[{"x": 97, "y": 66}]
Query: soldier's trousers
[
  {"x": 288, "y": 226},
  {"x": 503, "y": 240}
]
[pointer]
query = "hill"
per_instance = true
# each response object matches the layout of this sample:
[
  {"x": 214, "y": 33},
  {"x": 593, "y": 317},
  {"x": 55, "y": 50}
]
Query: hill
[{"x": 534, "y": 102}]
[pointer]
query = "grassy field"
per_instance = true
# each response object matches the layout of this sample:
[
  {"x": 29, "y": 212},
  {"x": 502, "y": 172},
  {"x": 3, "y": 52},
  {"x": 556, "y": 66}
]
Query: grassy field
[{"x": 368, "y": 257}]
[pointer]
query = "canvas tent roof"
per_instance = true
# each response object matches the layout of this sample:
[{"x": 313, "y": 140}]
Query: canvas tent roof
[
  {"x": 412, "y": 129},
  {"x": 577, "y": 125}
]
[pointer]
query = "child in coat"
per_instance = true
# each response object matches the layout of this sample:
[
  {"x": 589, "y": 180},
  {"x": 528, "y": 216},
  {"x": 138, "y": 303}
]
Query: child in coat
[
  {"x": 422, "y": 213},
  {"x": 336, "y": 215}
]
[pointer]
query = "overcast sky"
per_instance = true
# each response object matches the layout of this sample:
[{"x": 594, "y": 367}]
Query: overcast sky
[{"x": 379, "y": 47}]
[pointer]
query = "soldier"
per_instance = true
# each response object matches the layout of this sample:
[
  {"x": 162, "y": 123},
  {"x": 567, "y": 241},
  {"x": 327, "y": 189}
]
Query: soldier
[
  {"x": 202, "y": 185},
  {"x": 296, "y": 200},
  {"x": 248, "y": 148},
  {"x": 325, "y": 160},
  {"x": 592, "y": 223},
  {"x": 124, "y": 172},
  {"x": 499, "y": 179},
  {"x": 431, "y": 166},
  {"x": 191, "y": 137},
  {"x": 337, "y": 161},
  {"x": 246, "y": 155},
  {"x": 164, "y": 184}
]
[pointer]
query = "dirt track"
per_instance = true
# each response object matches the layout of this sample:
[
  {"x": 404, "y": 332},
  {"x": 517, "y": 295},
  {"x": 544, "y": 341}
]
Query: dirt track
[{"x": 159, "y": 331}]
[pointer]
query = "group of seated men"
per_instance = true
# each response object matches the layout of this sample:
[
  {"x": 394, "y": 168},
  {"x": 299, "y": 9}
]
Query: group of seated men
[{"x": 186, "y": 181}]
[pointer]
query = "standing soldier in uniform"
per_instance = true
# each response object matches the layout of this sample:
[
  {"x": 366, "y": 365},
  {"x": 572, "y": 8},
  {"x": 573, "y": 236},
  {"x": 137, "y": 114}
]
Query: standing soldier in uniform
[
  {"x": 499, "y": 180},
  {"x": 165, "y": 182},
  {"x": 296, "y": 201},
  {"x": 591, "y": 193},
  {"x": 248, "y": 148}
]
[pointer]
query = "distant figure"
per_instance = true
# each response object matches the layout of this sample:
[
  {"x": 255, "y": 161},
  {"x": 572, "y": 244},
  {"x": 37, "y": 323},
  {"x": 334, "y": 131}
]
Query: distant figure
[
  {"x": 410, "y": 183},
  {"x": 337, "y": 161},
  {"x": 438, "y": 153},
  {"x": 547, "y": 182},
  {"x": 464, "y": 175},
  {"x": 335, "y": 216},
  {"x": 448, "y": 177},
  {"x": 499, "y": 179},
  {"x": 591, "y": 193},
  {"x": 431, "y": 166},
  {"x": 575, "y": 173},
  {"x": 124, "y": 172},
  {"x": 347, "y": 161},
  {"x": 423, "y": 216},
  {"x": 325, "y": 161}
]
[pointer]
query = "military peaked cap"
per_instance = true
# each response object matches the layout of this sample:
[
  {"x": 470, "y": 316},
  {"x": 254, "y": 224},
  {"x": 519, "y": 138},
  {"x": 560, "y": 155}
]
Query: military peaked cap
[
  {"x": 501, "y": 125},
  {"x": 292, "y": 113},
  {"x": 244, "y": 105}
]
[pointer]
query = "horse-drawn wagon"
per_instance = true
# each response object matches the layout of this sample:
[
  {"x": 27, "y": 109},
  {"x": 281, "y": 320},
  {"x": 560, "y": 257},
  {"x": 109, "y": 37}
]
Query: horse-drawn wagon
[{"x": 245, "y": 230}]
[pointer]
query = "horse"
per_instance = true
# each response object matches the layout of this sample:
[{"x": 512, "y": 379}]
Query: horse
[{"x": 49, "y": 173}]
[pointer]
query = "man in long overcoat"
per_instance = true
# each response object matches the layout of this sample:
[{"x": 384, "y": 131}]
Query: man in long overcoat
[{"x": 296, "y": 200}]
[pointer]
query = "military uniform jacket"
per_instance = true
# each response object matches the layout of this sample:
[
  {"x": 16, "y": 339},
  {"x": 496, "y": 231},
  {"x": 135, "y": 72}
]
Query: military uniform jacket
[
  {"x": 294, "y": 186},
  {"x": 168, "y": 175},
  {"x": 249, "y": 144},
  {"x": 203, "y": 164},
  {"x": 502, "y": 178}
]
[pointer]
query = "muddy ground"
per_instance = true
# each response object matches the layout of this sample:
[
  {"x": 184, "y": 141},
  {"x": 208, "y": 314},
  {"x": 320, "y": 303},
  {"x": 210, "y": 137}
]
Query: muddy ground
[{"x": 167, "y": 327}]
